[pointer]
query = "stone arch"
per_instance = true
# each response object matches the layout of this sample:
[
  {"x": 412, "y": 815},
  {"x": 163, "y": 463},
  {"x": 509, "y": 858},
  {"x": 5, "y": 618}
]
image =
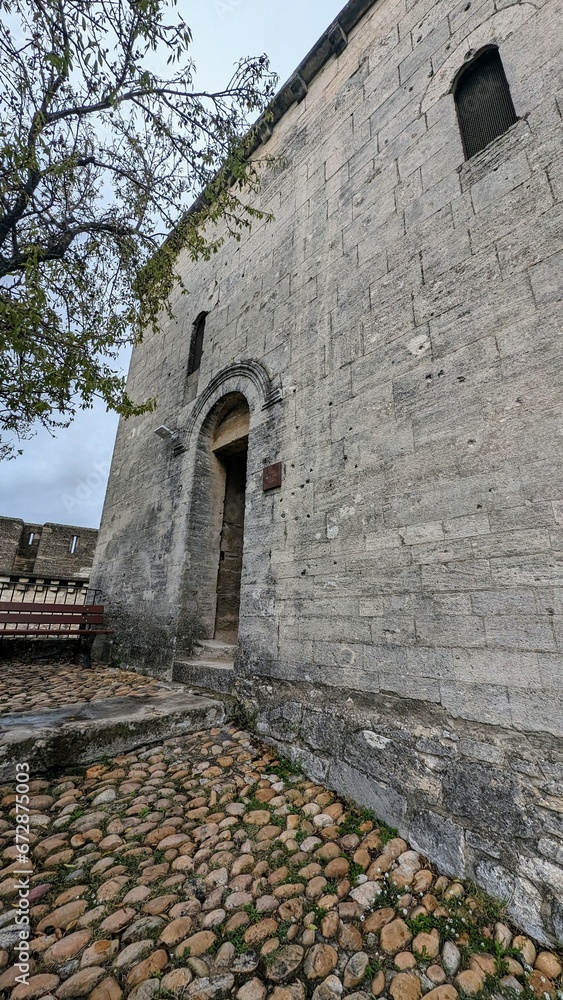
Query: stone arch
[
  {"x": 495, "y": 31},
  {"x": 214, "y": 437},
  {"x": 483, "y": 100},
  {"x": 250, "y": 378}
]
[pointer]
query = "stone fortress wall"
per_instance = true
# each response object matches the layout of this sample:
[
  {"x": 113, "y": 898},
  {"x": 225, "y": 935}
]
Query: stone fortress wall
[
  {"x": 38, "y": 560},
  {"x": 396, "y": 334}
]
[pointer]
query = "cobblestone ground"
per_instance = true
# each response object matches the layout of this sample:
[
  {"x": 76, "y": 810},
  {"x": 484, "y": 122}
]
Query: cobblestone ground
[
  {"x": 27, "y": 687},
  {"x": 207, "y": 868}
]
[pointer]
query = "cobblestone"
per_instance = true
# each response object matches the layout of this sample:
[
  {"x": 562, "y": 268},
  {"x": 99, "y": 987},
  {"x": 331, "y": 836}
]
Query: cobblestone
[
  {"x": 196, "y": 869},
  {"x": 50, "y": 685}
]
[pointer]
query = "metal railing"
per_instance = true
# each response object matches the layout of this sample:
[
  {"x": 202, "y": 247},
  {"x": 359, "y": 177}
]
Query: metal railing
[{"x": 46, "y": 591}]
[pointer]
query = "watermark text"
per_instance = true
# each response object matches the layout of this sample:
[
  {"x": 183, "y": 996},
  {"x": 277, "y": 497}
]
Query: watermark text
[{"x": 22, "y": 872}]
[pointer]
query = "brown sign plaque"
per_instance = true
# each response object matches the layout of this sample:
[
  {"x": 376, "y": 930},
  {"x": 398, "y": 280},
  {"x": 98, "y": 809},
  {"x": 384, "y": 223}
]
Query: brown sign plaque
[{"x": 272, "y": 477}]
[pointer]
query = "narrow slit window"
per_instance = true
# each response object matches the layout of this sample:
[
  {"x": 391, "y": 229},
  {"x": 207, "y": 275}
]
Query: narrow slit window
[
  {"x": 73, "y": 544},
  {"x": 483, "y": 102},
  {"x": 31, "y": 538},
  {"x": 196, "y": 349}
]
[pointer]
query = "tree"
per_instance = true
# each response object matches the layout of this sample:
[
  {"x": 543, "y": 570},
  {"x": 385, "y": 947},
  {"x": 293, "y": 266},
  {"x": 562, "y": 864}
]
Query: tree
[{"x": 100, "y": 156}]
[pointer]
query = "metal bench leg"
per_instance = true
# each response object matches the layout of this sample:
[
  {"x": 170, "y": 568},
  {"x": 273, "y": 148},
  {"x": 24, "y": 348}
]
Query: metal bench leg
[{"x": 83, "y": 656}]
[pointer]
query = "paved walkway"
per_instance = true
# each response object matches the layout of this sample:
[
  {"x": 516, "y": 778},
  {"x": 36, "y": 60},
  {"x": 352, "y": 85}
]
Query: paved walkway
[
  {"x": 100, "y": 713},
  {"x": 27, "y": 687},
  {"x": 206, "y": 868}
]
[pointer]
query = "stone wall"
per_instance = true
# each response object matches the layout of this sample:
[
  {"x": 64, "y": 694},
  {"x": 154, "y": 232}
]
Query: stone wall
[
  {"x": 46, "y": 550},
  {"x": 10, "y": 538},
  {"x": 55, "y": 555},
  {"x": 402, "y": 605}
]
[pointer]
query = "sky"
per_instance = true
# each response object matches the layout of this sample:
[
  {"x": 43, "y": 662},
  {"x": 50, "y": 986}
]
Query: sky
[{"x": 63, "y": 479}]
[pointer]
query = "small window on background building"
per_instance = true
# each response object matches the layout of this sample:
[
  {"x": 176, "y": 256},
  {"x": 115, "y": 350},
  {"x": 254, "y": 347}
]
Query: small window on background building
[
  {"x": 483, "y": 102},
  {"x": 73, "y": 544},
  {"x": 196, "y": 348},
  {"x": 31, "y": 537}
]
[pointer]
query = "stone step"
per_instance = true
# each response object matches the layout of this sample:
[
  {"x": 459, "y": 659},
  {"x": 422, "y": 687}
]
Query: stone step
[
  {"x": 80, "y": 733},
  {"x": 214, "y": 649},
  {"x": 205, "y": 675}
]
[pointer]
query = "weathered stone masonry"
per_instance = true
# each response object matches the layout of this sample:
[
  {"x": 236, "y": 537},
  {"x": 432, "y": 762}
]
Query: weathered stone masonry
[
  {"x": 395, "y": 333},
  {"x": 46, "y": 550}
]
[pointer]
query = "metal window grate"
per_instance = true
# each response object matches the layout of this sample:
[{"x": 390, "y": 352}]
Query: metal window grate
[{"x": 484, "y": 105}]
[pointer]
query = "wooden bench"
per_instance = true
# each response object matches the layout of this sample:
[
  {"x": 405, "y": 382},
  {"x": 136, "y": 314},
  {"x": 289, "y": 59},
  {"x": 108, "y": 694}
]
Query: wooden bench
[{"x": 82, "y": 622}]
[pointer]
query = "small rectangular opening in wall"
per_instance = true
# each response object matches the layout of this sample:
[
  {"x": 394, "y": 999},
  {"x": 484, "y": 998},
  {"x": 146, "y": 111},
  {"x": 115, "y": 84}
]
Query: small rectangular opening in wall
[
  {"x": 73, "y": 544},
  {"x": 30, "y": 538}
]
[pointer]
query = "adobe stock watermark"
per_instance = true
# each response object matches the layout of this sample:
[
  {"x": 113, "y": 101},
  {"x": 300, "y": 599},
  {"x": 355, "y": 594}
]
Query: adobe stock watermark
[
  {"x": 23, "y": 872},
  {"x": 225, "y": 7},
  {"x": 88, "y": 488}
]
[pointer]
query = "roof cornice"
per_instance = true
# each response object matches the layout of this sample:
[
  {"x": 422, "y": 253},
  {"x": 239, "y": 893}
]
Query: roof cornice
[{"x": 332, "y": 42}]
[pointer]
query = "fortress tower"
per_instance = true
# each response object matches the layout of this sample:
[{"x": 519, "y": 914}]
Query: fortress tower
[{"x": 354, "y": 525}]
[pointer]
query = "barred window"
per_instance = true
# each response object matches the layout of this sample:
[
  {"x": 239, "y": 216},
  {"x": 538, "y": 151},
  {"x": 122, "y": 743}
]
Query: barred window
[
  {"x": 483, "y": 102},
  {"x": 196, "y": 347}
]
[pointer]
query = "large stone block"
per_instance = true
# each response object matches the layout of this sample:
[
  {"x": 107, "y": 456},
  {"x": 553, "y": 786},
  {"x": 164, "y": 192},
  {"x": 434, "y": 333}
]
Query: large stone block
[
  {"x": 528, "y": 908},
  {"x": 557, "y": 919},
  {"x": 495, "y": 879},
  {"x": 485, "y": 796},
  {"x": 386, "y": 803},
  {"x": 282, "y": 722},
  {"x": 439, "y": 838},
  {"x": 537, "y": 711},
  {"x": 480, "y": 703}
]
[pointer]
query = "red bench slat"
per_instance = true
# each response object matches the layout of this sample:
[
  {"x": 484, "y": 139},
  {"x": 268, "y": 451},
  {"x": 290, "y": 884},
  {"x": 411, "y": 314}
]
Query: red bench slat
[
  {"x": 52, "y": 619},
  {"x": 73, "y": 635},
  {"x": 75, "y": 621},
  {"x": 67, "y": 609}
]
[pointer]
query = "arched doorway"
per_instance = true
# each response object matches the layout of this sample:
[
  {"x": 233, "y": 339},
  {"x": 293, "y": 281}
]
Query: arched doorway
[
  {"x": 230, "y": 429},
  {"x": 229, "y": 444},
  {"x": 212, "y": 573}
]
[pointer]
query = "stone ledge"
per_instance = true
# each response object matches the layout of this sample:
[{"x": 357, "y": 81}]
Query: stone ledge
[
  {"x": 205, "y": 675},
  {"x": 81, "y": 733}
]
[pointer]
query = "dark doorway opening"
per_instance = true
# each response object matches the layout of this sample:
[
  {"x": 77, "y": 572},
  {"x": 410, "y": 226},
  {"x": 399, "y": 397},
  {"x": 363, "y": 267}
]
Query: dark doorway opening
[
  {"x": 213, "y": 580},
  {"x": 232, "y": 540},
  {"x": 230, "y": 450}
]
